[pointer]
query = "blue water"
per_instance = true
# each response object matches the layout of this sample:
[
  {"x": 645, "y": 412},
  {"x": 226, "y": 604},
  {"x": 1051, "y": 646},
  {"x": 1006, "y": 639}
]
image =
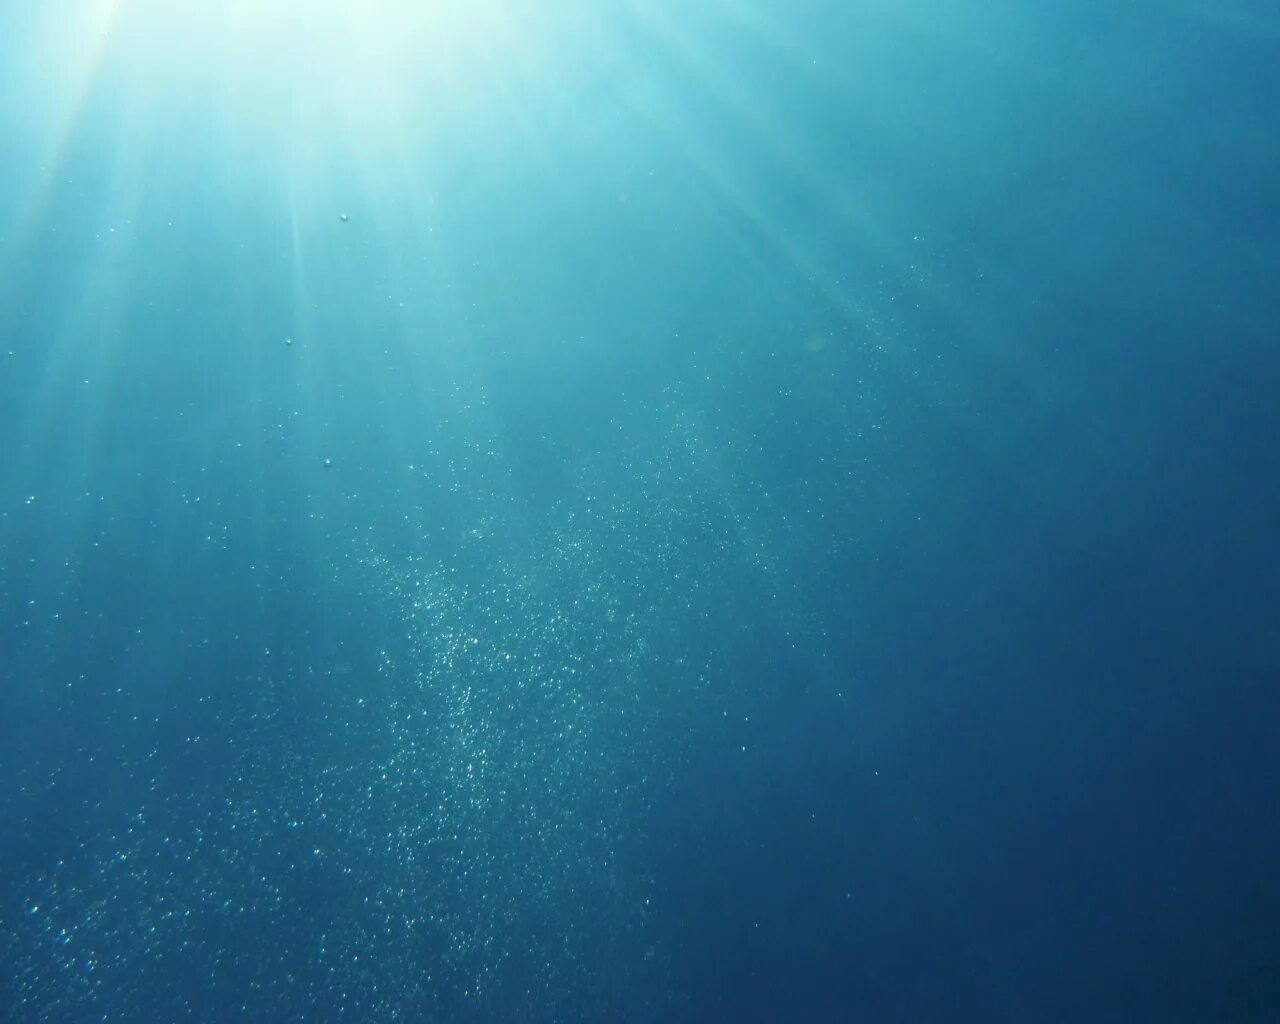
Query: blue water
[{"x": 639, "y": 511}]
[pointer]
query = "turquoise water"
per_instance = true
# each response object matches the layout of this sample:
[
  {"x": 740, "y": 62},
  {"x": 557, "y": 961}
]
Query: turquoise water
[{"x": 638, "y": 511}]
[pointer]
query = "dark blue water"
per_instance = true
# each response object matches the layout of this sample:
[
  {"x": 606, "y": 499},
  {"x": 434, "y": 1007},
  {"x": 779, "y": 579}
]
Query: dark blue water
[{"x": 639, "y": 512}]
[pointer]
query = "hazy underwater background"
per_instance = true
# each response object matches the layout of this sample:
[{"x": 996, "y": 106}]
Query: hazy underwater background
[{"x": 639, "y": 510}]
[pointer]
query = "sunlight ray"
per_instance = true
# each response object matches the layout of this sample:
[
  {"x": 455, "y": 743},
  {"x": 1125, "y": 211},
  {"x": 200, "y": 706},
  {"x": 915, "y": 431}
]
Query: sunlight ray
[{"x": 52, "y": 90}]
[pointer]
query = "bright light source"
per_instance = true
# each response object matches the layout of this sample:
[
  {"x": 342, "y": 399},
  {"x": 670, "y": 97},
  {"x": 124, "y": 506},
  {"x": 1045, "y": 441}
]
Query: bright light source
[
  {"x": 289, "y": 67},
  {"x": 286, "y": 94}
]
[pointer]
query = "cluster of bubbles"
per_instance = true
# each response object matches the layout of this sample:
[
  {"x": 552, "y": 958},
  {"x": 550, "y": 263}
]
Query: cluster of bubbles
[{"x": 456, "y": 831}]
